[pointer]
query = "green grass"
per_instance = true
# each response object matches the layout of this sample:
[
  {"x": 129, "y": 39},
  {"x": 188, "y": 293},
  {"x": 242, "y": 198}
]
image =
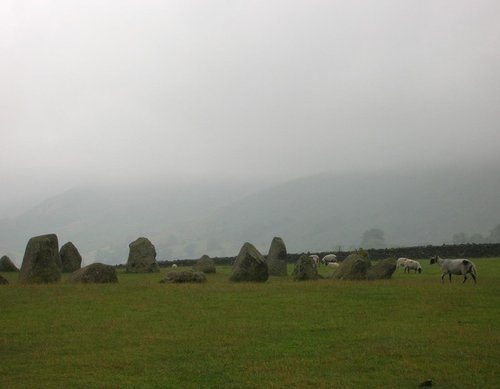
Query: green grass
[{"x": 322, "y": 334}]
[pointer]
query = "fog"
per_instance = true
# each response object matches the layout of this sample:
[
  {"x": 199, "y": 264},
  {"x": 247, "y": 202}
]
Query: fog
[{"x": 241, "y": 90}]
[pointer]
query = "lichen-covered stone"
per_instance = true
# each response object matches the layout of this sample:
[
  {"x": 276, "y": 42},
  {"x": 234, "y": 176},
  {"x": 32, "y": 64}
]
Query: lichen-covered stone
[
  {"x": 7, "y": 265},
  {"x": 276, "y": 258},
  {"x": 249, "y": 265},
  {"x": 205, "y": 265},
  {"x": 357, "y": 266},
  {"x": 187, "y": 276},
  {"x": 41, "y": 261},
  {"x": 382, "y": 269},
  {"x": 354, "y": 267},
  {"x": 142, "y": 257},
  {"x": 95, "y": 273},
  {"x": 70, "y": 258},
  {"x": 305, "y": 269}
]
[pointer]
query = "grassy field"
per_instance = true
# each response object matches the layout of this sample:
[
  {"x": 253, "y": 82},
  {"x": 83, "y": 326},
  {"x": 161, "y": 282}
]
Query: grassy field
[{"x": 322, "y": 334}]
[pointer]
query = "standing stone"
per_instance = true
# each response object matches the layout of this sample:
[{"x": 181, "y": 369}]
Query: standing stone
[
  {"x": 382, "y": 269},
  {"x": 205, "y": 265},
  {"x": 184, "y": 277},
  {"x": 142, "y": 257},
  {"x": 276, "y": 258},
  {"x": 6, "y": 264},
  {"x": 354, "y": 267},
  {"x": 3, "y": 281},
  {"x": 70, "y": 258},
  {"x": 95, "y": 273},
  {"x": 305, "y": 269},
  {"x": 250, "y": 265},
  {"x": 41, "y": 262}
]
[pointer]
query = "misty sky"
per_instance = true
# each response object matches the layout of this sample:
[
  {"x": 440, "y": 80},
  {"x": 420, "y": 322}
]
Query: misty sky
[{"x": 100, "y": 89}]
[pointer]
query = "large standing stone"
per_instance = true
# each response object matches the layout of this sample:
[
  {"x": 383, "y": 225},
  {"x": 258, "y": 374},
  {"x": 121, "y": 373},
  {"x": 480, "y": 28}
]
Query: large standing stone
[
  {"x": 354, "y": 267},
  {"x": 6, "y": 264},
  {"x": 276, "y": 258},
  {"x": 41, "y": 262},
  {"x": 142, "y": 257},
  {"x": 250, "y": 265},
  {"x": 95, "y": 273},
  {"x": 70, "y": 258},
  {"x": 305, "y": 269},
  {"x": 205, "y": 265},
  {"x": 183, "y": 277}
]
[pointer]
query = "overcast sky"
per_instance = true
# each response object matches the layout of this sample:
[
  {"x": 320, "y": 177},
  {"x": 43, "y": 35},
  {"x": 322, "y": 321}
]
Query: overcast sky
[{"x": 250, "y": 89}]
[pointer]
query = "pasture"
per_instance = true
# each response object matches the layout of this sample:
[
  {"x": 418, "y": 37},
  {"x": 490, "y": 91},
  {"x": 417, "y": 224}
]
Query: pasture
[{"x": 323, "y": 334}]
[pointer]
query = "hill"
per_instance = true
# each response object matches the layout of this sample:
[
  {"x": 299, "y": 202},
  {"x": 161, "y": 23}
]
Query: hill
[{"x": 316, "y": 213}]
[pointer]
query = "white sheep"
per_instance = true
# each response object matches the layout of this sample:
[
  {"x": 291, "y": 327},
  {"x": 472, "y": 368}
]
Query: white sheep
[
  {"x": 315, "y": 259},
  {"x": 401, "y": 262},
  {"x": 329, "y": 258},
  {"x": 411, "y": 264},
  {"x": 455, "y": 266}
]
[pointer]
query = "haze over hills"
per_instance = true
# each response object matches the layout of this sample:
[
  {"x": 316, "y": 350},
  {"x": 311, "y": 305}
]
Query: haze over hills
[{"x": 315, "y": 213}]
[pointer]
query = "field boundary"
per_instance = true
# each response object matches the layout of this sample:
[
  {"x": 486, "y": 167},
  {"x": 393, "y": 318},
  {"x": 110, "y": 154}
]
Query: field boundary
[{"x": 470, "y": 250}]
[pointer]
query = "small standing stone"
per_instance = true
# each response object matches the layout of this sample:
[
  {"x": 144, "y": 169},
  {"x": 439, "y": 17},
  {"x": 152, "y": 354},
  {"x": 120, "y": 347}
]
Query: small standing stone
[
  {"x": 95, "y": 273},
  {"x": 184, "y": 277},
  {"x": 70, "y": 258},
  {"x": 7, "y": 265},
  {"x": 354, "y": 267},
  {"x": 205, "y": 265},
  {"x": 305, "y": 269},
  {"x": 382, "y": 269}
]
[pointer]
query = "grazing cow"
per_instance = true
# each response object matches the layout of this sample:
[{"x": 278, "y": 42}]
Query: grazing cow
[
  {"x": 328, "y": 258},
  {"x": 411, "y": 264},
  {"x": 455, "y": 266}
]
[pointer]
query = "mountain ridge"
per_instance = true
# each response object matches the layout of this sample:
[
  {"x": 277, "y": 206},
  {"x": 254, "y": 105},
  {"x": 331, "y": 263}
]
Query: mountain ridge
[{"x": 323, "y": 212}]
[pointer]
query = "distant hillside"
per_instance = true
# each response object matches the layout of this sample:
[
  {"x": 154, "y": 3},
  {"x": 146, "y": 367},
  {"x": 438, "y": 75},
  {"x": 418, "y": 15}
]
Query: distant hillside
[
  {"x": 317, "y": 213},
  {"x": 324, "y": 212}
]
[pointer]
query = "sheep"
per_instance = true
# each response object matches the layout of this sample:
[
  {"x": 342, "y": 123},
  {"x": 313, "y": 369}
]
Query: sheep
[
  {"x": 315, "y": 259},
  {"x": 455, "y": 266},
  {"x": 401, "y": 262},
  {"x": 328, "y": 258},
  {"x": 174, "y": 265},
  {"x": 411, "y": 264},
  {"x": 333, "y": 264}
]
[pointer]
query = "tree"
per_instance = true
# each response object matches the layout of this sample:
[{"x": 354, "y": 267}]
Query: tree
[
  {"x": 460, "y": 238},
  {"x": 476, "y": 238},
  {"x": 495, "y": 235},
  {"x": 373, "y": 239}
]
